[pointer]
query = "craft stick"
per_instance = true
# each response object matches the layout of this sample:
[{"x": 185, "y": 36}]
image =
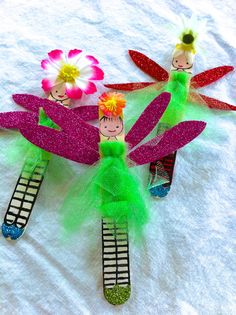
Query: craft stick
[
  {"x": 182, "y": 61},
  {"x": 115, "y": 236},
  {"x": 28, "y": 185}
]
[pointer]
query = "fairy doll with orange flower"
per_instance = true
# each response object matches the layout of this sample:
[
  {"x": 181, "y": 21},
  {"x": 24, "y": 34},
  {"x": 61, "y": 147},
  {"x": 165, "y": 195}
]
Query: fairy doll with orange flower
[
  {"x": 111, "y": 124},
  {"x": 68, "y": 77}
]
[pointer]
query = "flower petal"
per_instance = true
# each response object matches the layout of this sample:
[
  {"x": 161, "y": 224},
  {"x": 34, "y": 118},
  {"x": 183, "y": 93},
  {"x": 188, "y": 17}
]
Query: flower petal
[
  {"x": 90, "y": 88},
  {"x": 86, "y": 86},
  {"x": 74, "y": 53},
  {"x": 73, "y": 92},
  {"x": 45, "y": 64},
  {"x": 55, "y": 55},
  {"x": 86, "y": 73},
  {"x": 97, "y": 73},
  {"x": 47, "y": 85},
  {"x": 93, "y": 60}
]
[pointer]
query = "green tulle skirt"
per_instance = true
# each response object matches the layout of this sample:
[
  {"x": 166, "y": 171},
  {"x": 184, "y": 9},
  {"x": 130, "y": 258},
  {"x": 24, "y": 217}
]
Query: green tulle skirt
[{"x": 109, "y": 190}]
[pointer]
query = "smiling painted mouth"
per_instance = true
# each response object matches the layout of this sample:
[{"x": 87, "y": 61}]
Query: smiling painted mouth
[
  {"x": 60, "y": 96},
  {"x": 112, "y": 130}
]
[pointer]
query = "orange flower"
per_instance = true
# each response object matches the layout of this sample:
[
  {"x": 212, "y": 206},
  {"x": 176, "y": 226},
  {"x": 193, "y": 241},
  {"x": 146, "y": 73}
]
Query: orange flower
[{"x": 111, "y": 103}]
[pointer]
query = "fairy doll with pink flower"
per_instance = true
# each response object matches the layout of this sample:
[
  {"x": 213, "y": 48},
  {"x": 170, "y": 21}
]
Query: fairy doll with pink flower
[{"x": 68, "y": 77}]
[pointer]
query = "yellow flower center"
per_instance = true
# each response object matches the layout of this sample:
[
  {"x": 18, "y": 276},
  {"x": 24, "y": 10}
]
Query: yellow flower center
[
  {"x": 68, "y": 73},
  {"x": 111, "y": 104}
]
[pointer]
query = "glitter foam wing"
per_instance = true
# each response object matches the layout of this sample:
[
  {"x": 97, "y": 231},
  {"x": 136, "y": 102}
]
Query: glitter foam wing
[
  {"x": 210, "y": 76},
  {"x": 60, "y": 143},
  {"x": 148, "y": 119},
  {"x": 72, "y": 124},
  {"x": 30, "y": 102},
  {"x": 216, "y": 104},
  {"x": 128, "y": 86},
  {"x": 14, "y": 120},
  {"x": 170, "y": 141},
  {"x": 86, "y": 113},
  {"x": 149, "y": 66}
]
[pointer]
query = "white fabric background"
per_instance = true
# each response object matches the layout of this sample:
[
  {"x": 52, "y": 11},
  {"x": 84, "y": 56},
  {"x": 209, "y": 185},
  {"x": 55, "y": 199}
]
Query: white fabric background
[{"x": 187, "y": 262}]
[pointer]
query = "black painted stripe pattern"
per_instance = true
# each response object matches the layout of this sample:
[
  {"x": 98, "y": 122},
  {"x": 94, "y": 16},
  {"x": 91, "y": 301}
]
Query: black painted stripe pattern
[
  {"x": 25, "y": 194},
  {"x": 115, "y": 253}
]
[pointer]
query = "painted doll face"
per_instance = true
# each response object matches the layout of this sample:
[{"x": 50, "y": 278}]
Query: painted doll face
[
  {"x": 182, "y": 61},
  {"x": 59, "y": 92},
  {"x": 111, "y": 126}
]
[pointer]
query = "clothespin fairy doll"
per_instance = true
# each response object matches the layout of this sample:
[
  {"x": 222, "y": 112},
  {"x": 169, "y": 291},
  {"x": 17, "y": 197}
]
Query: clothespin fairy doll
[
  {"x": 110, "y": 190},
  {"x": 183, "y": 88},
  {"x": 68, "y": 77}
]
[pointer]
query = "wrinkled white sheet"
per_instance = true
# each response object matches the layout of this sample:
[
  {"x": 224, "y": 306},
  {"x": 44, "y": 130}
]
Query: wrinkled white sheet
[{"x": 187, "y": 262}]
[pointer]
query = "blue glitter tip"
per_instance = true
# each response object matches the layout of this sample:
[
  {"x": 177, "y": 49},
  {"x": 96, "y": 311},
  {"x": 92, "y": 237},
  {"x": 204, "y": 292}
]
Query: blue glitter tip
[
  {"x": 159, "y": 191},
  {"x": 11, "y": 231}
]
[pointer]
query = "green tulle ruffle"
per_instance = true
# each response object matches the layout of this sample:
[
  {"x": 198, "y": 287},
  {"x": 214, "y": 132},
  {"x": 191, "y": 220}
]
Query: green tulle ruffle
[{"x": 108, "y": 189}]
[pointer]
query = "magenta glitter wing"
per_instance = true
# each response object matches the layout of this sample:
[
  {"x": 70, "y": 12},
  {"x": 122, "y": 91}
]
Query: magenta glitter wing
[
  {"x": 60, "y": 143},
  {"x": 148, "y": 119},
  {"x": 17, "y": 119},
  {"x": 168, "y": 142},
  {"x": 33, "y": 103},
  {"x": 209, "y": 76},
  {"x": 72, "y": 124},
  {"x": 87, "y": 112},
  {"x": 30, "y": 102}
]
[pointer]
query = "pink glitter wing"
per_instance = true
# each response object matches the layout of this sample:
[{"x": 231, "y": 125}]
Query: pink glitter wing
[
  {"x": 17, "y": 119},
  {"x": 33, "y": 103},
  {"x": 72, "y": 124},
  {"x": 148, "y": 119},
  {"x": 210, "y": 76},
  {"x": 60, "y": 143},
  {"x": 128, "y": 86},
  {"x": 86, "y": 113},
  {"x": 30, "y": 102},
  {"x": 149, "y": 66},
  {"x": 168, "y": 142}
]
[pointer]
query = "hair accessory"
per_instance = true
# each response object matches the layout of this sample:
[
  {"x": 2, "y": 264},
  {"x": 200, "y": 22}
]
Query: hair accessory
[
  {"x": 182, "y": 87},
  {"x": 75, "y": 71}
]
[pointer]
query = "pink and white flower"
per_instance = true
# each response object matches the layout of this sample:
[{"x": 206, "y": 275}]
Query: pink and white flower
[{"x": 75, "y": 69}]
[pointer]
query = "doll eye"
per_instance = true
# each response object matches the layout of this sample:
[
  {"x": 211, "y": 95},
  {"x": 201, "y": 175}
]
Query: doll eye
[
  {"x": 187, "y": 63},
  {"x": 117, "y": 127},
  {"x": 176, "y": 60},
  {"x": 105, "y": 126},
  {"x": 56, "y": 91}
]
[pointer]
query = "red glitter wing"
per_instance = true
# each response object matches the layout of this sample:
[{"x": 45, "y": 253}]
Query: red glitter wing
[
  {"x": 210, "y": 76},
  {"x": 216, "y": 104},
  {"x": 128, "y": 86},
  {"x": 149, "y": 66}
]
